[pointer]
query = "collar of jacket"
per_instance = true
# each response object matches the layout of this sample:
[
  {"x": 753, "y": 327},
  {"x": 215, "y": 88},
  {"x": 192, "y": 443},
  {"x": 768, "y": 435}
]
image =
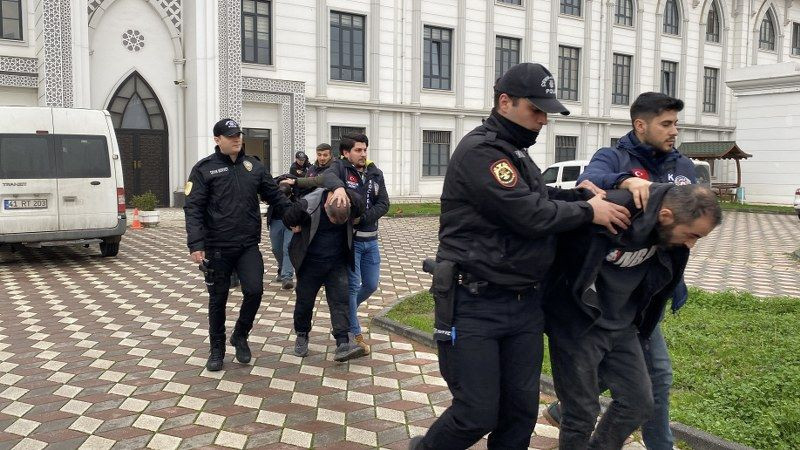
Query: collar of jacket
[
  {"x": 516, "y": 135},
  {"x": 227, "y": 158},
  {"x": 368, "y": 169},
  {"x": 646, "y": 152}
]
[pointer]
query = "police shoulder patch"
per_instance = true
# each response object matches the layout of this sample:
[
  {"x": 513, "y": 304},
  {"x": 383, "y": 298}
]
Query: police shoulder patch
[
  {"x": 187, "y": 189},
  {"x": 505, "y": 173},
  {"x": 248, "y": 165}
]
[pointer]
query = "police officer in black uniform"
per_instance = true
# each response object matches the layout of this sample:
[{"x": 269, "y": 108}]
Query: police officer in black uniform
[
  {"x": 497, "y": 235},
  {"x": 223, "y": 227}
]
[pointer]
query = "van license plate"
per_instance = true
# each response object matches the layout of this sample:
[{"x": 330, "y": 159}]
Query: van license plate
[{"x": 25, "y": 204}]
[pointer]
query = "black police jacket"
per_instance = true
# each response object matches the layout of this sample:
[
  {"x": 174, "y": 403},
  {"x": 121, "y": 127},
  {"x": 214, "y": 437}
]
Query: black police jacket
[
  {"x": 499, "y": 219},
  {"x": 371, "y": 186},
  {"x": 571, "y": 303},
  {"x": 222, "y": 201}
]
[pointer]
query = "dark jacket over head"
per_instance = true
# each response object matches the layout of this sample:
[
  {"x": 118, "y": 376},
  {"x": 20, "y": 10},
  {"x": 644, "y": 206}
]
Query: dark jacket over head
[
  {"x": 306, "y": 213},
  {"x": 371, "y": 186},
  {"x": 222, "y": 201},
  {"x": 610, "y": 166},
  {"x": 499, "y": 220},
  {"x": 572, "y": 304}
]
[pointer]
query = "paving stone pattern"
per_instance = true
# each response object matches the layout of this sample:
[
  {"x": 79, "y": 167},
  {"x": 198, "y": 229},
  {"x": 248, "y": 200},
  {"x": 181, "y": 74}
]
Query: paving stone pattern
[{"x": 109, "y": 352}]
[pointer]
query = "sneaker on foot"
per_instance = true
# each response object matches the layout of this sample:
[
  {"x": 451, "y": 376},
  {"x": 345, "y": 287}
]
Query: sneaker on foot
[
  {"x": 278, "y": 277},
  {"x": 301, "y": 345},
  {"x": 239, "y": 341},
  {"x": 287, "y": 284},
  {"x": 359, "y": 338},
  {"x": 217, "y": 356},
  {"x": 347, "y": 351},
  {"x": 552, "y": 414}
]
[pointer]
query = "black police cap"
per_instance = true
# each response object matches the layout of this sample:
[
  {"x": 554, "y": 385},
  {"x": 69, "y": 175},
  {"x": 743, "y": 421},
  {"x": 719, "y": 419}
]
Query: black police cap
[
  {"x": 534, "y": 82},
  {"x": 227, "y": 127}
]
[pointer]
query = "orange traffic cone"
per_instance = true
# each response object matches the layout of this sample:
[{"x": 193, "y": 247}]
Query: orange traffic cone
[{"x": 136, "y": 225}]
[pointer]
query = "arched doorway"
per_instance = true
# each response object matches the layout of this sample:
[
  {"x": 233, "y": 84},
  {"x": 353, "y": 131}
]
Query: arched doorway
[{"x": 141, "y": 128}]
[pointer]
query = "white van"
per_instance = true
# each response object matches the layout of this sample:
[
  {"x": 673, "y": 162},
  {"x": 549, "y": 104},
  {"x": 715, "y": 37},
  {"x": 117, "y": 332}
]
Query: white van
[
  {"x": 60, "y": 178},
  {"x": 565, "y": 174}
]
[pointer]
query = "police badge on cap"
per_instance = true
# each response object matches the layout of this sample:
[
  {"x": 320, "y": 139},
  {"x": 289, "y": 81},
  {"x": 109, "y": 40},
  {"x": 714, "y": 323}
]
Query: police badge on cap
[{"x": 227, "y": 127}]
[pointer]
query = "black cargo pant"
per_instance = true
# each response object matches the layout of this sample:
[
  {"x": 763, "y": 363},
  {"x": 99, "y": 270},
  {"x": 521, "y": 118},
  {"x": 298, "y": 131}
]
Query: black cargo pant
[
  {"x": 578, "y": 365},
  {"x": 249, "y": 264},
  {"x": 492, "y": 370},
  {"x": 311, "y": 276}
]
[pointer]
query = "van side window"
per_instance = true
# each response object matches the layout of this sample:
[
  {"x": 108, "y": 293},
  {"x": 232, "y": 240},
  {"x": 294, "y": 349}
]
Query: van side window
[
  {"x": 83, "y": 157},
  {"x": 570, "y": 173},
  {"x": 550, "y": 175},
  {"x": 25, "y": 156}
]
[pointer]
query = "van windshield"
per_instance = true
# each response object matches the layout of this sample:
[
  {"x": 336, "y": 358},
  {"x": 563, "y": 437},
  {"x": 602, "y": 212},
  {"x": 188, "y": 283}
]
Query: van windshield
[
  {"x": 25, "y": 156},
  {"x": 549, "y": 175}
]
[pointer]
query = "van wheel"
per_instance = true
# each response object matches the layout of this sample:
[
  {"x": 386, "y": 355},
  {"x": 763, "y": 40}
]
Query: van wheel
[{"x": 109, "y": 248}]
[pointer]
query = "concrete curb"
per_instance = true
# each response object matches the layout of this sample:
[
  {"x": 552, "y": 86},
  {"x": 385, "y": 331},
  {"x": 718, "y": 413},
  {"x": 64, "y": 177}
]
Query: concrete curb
[{"x": 697, "y": 439}]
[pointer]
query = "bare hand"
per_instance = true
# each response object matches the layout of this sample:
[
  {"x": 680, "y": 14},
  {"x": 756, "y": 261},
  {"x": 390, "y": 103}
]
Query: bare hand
[
  {"x": 198, "y": 256},
  {"x": 288, "y": 181},
  {"x": 586, "y": 184},
  {"x": 609, "y": 214},
  {"x": 338, "y": 197},
  {"x": 639, "y": 188},
  {"x": 296, "y": 229}
]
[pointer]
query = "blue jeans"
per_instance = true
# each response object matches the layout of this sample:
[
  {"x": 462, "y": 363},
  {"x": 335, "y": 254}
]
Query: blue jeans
[
  {"x": 656, "y": 432},
  {"x": 364, "y": 279},
  {"x": 280, "y": 237}
]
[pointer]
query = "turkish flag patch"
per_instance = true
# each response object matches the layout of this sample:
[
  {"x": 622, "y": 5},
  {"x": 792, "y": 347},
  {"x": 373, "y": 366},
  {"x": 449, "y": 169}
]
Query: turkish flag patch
[{"x": 641, "y": 173}]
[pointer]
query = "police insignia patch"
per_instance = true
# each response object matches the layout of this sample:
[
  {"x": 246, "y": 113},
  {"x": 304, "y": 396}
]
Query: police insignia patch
[
  {"x": 248, "y": 165},
  {"x": 187, "y": 189},
  {"x": 505, "y": 173}
]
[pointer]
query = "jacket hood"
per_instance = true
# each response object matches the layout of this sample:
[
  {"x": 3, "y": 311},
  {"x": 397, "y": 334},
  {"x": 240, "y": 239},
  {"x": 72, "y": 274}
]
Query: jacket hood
[{"x": 641, "y": 229}]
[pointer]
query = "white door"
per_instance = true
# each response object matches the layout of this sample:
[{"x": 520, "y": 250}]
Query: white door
[
  {"x": 87, "y": 189},
  {"x": 28, "y": 200}
]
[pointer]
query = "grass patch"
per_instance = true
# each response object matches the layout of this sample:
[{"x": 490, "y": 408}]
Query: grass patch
[
  {"x": 414, "y": 209},
  {"x": 736, "y": 360},
  {"x": 749, "y": 207}
]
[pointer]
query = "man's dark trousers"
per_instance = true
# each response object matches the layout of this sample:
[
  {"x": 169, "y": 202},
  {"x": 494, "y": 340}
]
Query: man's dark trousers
[
  {"x": 492, "y": 370},
  {"x": 311, "y": 277},
  {"x": 578, "y": 363},
  {"x": 249, "y": 264}
]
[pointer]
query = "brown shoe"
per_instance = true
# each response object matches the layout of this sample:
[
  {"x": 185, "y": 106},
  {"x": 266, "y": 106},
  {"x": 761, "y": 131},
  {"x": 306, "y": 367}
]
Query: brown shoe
[{"x": 362, "y": 343}]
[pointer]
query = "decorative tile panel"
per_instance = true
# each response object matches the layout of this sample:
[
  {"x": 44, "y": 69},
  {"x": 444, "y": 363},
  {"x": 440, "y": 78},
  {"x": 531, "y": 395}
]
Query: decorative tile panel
[
  {"x": 229, "y": 30},
  {"x": 14, "y": 64},
  {"x": 55, "y": 73}
]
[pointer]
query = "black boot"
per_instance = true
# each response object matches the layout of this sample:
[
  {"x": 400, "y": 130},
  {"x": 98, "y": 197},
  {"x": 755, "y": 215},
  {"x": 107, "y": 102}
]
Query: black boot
[
  {"x": 217, "y": 356},
  {"x": 239, "y": 341}
]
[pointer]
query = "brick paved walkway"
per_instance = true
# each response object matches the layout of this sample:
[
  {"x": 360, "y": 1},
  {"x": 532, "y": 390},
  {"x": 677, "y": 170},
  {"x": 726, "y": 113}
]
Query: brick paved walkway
[{"x": 109, "y": 352}]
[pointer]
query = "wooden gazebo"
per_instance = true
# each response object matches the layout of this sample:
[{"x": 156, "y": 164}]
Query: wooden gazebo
[{"x": 712, "y": 150}]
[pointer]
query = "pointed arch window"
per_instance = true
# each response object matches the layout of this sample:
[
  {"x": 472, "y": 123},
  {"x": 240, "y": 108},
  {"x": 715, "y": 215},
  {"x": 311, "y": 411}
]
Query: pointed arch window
[
  {"x": 671, "y": 18},
  {"x": 134, "y": 106},
  {"x": 766, "y": 38},
  {"x": 712, "y": 24},
  {"x": 624, "y": 13}
]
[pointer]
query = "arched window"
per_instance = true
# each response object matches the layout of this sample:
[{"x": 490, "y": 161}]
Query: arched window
[
  {"x": 671, "y": 18},
  {"x": 624, "y": 13},
  {"x": 134, "y": 106},
  {"x": 712, "y": 24},
  {"x": 766, "y": 39}
]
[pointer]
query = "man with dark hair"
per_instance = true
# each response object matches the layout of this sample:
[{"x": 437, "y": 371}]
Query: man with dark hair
[
  {"x": 606, "y": 293},
  {"x": 362, "y": 175},
  {"x": 323, "y": 161},
  {"x": 497, "y": 239},
  {"x": 321, "y": 251},
  {"x": 223, "y": 228},
  {"x": 646, "y": 154}
]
